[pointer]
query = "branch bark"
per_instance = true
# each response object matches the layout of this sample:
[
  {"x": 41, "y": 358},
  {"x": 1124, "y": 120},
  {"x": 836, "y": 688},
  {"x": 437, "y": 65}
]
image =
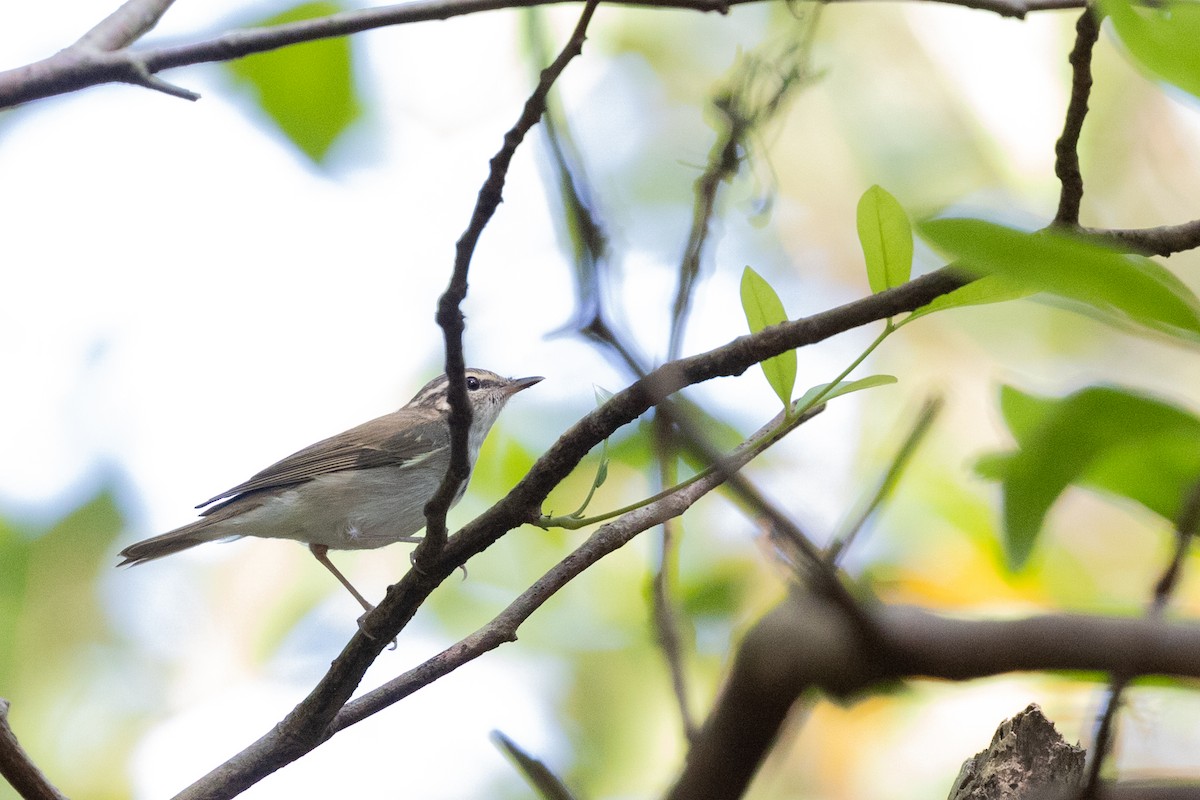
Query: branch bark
[
  {"x": 1066, "y": 150},
  {"x": 1027, "y": 758},
  {"x": 807, "y": 643},
  {"x": 18, "y": 768},
  {"x": 76, "y": 68}
]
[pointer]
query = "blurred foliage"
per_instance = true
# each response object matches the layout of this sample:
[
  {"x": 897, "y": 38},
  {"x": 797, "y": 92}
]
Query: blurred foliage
[
  {"x": 59, "y": 665},
  {"x": 1119, "y": 441},
  {"x": 308, "y": 90},
  {"x": 1162, "y": 38},
  {"x": 1099, "y": 280}
]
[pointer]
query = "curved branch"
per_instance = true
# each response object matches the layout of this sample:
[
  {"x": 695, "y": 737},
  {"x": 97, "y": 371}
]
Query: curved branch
[
  {"x": 806, "y": 643},
  {"x": 18, "y": 768}
]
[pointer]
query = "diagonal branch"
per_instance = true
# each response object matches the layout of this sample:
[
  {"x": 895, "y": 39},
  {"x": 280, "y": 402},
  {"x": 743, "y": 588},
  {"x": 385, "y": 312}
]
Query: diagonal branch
[
  {"x": 18, "y": 768},
  {"x": 307, "y": 725},
  {"x": 503, "y": 628},
  {"x": 1186, "y": 528},
  {"x": 806, "y": 643}
]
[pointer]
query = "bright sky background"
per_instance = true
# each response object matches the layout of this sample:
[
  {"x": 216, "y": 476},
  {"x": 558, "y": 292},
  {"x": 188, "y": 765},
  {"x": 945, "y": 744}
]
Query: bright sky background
[{"x": 186, "y": 301}]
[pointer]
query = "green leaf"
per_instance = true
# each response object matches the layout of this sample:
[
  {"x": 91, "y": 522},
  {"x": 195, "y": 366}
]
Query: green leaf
[
  {"x": 601, "y": 473},
  {"x": 764, "y": 308},
  {"x": 1163, "y": 37},
  {"x": 1117, "y": 441},
  {"x": 988, "y": 289},
  {"x": 308, "y": 89},
  {"x": 825, "y": 392},
  {"x": 1120, "y": 288},
  {"x": 602, "y": 396},
  {"x": 886, "y": 237}
]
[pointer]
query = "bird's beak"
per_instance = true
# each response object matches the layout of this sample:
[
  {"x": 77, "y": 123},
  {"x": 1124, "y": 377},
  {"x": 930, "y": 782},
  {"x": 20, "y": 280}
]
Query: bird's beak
[{"x": 517, "y": 384}]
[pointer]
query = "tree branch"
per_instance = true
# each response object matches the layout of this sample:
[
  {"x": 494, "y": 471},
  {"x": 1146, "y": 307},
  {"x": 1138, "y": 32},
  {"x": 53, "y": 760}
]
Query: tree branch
[
  {"x": 1185, "y": 531},
  {"x": 1066, "y": 150},
  {"x": 123, "y": 27},
  {"x": 503, "y": 628},
  {"x": 663, "y": 612},
  {"x": 66, "y": 72},
  {"x": 18, "y": 768},
  {"x": 1164, "y": 240},
  {"x": 806, "y": 643}
]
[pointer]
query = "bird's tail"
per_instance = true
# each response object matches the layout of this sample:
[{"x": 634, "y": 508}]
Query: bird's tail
[{"x": 198, "y": 532}]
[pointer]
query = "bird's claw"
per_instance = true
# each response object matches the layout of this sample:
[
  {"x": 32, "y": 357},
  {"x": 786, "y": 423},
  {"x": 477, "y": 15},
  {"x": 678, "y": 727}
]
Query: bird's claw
[{"x": 363, "y": 629}]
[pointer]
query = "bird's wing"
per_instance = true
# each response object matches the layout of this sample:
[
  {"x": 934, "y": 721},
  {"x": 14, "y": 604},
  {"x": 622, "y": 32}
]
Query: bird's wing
[{"x": 391, "y": 440}]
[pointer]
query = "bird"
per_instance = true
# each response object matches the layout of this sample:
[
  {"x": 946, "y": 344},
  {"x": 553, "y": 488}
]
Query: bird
[{"x": 364, "y": 488}]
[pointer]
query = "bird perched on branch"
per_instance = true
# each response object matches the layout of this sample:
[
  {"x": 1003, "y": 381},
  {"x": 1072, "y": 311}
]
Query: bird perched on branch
[{"x": 361, "y": 489}]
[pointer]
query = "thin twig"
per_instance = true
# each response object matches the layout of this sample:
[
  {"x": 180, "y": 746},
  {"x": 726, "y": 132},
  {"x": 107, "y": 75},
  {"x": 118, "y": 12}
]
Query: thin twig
[
  {"x": 1185, "y": 532},
  {"x": 666, "y": 620},
  {"x": 842, "y": 541},
  {"x": 1066, "y": 150},
  {"x": 1186, "y": 527},
  {"x": 723, "y": 164},
  {"x": 742, "y": 113},
  {"x": 449, "y": 313},
  {"x": 580, "y": 229},
  {"x": 18, "y": 768},
  {"x": 1016, "y": 9},
  {"x": 668, "y": 627},
  {"x": 1103, "y": 736}
]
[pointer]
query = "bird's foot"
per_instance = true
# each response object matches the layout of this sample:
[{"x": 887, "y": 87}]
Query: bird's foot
[{"x": 363, "y": 629}]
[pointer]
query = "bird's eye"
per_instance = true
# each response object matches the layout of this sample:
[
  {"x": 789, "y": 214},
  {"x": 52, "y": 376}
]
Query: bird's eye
[{"x": 472, "y": 383}]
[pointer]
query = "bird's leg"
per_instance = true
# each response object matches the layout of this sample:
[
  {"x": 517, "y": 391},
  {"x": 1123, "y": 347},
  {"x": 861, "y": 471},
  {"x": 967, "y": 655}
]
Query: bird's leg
[{"x": 321, "y": 553}]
